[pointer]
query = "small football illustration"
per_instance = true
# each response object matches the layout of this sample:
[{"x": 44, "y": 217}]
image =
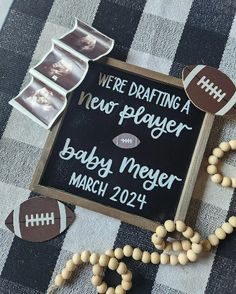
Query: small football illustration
[
  {"x": 210, "y": 89},
  {"x": 126, "y": 141},
  {"x": 39, "y": 219}
]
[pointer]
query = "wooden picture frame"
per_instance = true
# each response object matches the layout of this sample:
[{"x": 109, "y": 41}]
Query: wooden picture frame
[{"x": 113, "y": 212}]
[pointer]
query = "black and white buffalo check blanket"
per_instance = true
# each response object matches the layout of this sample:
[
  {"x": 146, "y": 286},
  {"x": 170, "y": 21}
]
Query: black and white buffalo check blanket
[{"x": 162, "y": 35}]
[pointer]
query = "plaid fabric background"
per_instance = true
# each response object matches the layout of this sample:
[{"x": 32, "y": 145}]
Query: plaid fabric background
[{"x": 161, "y": 35}]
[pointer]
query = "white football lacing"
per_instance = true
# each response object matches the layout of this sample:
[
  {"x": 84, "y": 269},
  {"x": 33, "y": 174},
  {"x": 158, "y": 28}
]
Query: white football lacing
[
  {"x": 128, "y": 141},
  {"x": 208, "y": 86},
  {"x": 39, "y": 220}
]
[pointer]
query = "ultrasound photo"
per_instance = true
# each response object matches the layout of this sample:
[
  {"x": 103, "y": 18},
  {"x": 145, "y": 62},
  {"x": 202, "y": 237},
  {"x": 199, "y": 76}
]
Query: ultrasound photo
[
  {"x": 88, "y": 41},
  {"x": 41, "y": 101},
  {"x": 63, "y": 68},
  {"x": 60, "y": 72}
]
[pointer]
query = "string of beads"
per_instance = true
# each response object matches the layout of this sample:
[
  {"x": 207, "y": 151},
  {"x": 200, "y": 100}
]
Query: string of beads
[
  {"x": 214, "y": 160},
  {"x": 169, "y": 252}
]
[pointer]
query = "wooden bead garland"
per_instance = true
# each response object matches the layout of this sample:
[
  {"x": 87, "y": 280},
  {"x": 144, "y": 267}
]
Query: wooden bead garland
[
  {"x": 175, "y": 252},
  {"x": 213, "y": 161}
]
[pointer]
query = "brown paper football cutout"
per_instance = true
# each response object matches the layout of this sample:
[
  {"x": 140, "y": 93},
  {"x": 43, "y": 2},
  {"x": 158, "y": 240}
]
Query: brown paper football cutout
[
  {"x": 210, "y": 89},
  {"x": 39, "y": 219}
]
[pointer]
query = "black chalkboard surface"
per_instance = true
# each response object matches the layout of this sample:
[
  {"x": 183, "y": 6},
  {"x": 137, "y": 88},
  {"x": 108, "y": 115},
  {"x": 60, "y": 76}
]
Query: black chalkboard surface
[{"x": 125, "y": 146}]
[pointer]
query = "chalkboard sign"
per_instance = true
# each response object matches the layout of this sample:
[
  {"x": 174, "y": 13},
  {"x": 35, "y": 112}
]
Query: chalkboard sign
[{"x": 129, "y": 145}]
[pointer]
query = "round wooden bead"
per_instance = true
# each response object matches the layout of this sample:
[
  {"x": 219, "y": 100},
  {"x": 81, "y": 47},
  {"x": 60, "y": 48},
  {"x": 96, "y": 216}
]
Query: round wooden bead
[
  {"x": 102, "y": 288},
  {"x": 186, "y": 245},
  {"x": 66, "y": 274},
  {"x": 94, "y": 258},
  {"x": 196, "y": 248},
  {"x": 217, "y": 178},
  {"x": 161, "y": 231},
  {"x": 226, "y": 182},
  {"x": 220, "y": 233},
  {"x": 206, "y": 245},
  {"x": 192, "y": 256},
  {"x": 76, "y": 259},
  {"x": 232, "y": 144},
  {"x": 122, "y": 268},
  {"x": 128, "y": 251},
  {"x": 183, "y": 258},
  {"x": 174, "y": 259},
  {"x": 161, "y": 246},
  {"x": 227, "y": 228},
  {"x": 155, "y": 258},
  {"x": 188, "y": 233},
  {"x": 180, "y": 226},
  {"x": 103, "y": 260},
  {"x": 110, "y": 253},
  {"x": 211, "y": 169},
  {"x": 118, "y": 252},
  {"x": 156, "y": 240},
  {"x": 119, "y": 290},
  {"x": 146, "y": 258},
  {"x": 168, "y": 247},
  {"x": 164, "y": 258},
  {"x": 97, "y": 270},
  {"x": 233, "y": 181},
  {"x": 169, "y": 226},
  {"x": 213, "y": 239},
  {"x": 59, "y": 281},
  {"x": 113, "y": 264},
  {"x": 110, "y": 290},
  {"x": 127, "y": 277},
  {"x": 232, "y": 221},
  {"x": 96, "y": 280},
  {"x": 225, "y": 146},
  {"x": 195, "y": 238},
  {"x": 126, "y": 285},
  {"x": 85, "y": 255},
  {"x": 137, "y": 254},
  {"x": 213, "y": 160},
  {"x": 218, "y": 152},
  {"x": 70, "y": 266},
  {"x": 177, "y": 246}
]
